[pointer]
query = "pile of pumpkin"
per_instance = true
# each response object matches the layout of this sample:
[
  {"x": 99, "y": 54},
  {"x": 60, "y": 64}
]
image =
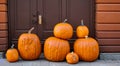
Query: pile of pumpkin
[{"x": 57, "y": 48}]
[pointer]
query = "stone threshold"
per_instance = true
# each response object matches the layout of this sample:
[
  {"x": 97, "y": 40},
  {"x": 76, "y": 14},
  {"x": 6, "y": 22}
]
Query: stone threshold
[
  {"x": 109, "y": 56},
  {"x": 1, "y": 54},
  {"x": 103, "y": 56}
]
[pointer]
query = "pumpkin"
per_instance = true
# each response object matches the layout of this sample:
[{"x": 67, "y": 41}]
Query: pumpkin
[
  {"x": 72, "y": 58},
  {"x": 56, "y": 49},
  {"x": 29, "y": 46},
  {"x": 12, "y": 54},
  {"x": 87, "y": 48},
  {"x": 82, "y": 30},
  {"x": 63, "y": 30}
]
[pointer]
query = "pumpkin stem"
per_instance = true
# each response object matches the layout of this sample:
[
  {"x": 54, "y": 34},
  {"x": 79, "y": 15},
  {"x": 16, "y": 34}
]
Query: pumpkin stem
[
  {"x": 64, "y": 20},
  {"x": 31, "y": 30},
  {"x": 82, "y": 23},
  {"x": 72, "y": 52},
  {"x": 12, "y": 46},
  {"x": 74, "y": 58},
  {"x": 86, "y": 37}
]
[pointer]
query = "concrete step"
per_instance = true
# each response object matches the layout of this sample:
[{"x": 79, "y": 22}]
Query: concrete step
[
  {"x": 110, "y": 56},
  {"x": 106, "y": 59},
  {"x": 44, "y": 62},
  {"x": 103, "y": 56}
]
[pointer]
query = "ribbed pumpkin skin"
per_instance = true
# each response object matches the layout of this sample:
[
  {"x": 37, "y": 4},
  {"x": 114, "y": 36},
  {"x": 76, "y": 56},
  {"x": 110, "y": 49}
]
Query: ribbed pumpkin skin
[
  {"x": 12, "y": 55},
  {"x": 56, "y": 49},
  {"x": 82, "y": 31},
  {"x": 63, "y": 30},
  {"x": 29, "y": 46},
  {"x": 72, "y": 58},
  {"x": 87, "y": 49}
]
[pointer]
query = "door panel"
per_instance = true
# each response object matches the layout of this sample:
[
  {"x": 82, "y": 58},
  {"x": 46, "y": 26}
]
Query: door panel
[
  {"x": 80, "y": 9},
  {"x": 20, "y": 12},
  {"x": 51, "y": 15},
  {"x": 20, "y": 18},
  {"x": 77, "y": 10}
]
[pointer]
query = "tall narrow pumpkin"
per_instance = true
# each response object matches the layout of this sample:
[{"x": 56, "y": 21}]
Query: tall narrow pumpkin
[
  {"x": 82, "y": 30},
  {"x": 56, "y": 49},
  {"x": 86, "y": 48},
  {"x": 29, "y": 46},
  {"x": 12, "y": 54},
  {"x": 63, "y": 30}
]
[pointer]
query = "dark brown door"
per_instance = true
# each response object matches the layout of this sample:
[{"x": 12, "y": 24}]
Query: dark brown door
[{"x": 24, "y": 14}]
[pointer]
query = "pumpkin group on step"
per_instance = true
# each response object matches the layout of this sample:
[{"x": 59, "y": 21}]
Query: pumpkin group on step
[
  {"x": 86, "y": 47},
  {"x": 56, "y": 48}
]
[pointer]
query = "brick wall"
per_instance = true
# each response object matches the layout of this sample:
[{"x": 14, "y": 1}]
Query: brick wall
[
  {"x": 108, "y": 25},
  {"x": 3, "y": 25}
]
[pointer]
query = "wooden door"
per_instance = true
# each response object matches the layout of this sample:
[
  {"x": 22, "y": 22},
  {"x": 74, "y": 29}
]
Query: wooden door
[{"x": 23, "y": 14}]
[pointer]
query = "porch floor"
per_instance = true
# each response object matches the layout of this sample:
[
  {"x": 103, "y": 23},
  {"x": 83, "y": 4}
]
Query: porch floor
[{"x": 43, "y": 62}]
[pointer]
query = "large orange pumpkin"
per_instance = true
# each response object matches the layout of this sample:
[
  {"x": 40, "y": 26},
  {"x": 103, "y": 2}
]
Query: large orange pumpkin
[
  {"x": 12, "y": 54},
  {"x": 72, "y": 58},
  {"x": 86, "y": 48},
  {"x": 29, "y": 46},
  {"x": 82, "y": 30},
  {"x": 63, "y": 30},
  {"x": 56, "y": 49}
]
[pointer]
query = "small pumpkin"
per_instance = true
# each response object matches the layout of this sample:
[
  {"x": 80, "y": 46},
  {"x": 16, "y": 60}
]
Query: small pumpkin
[
  {"x": 56, "y": 49},
  {"x": 87, "y": 48},
  {"x": 82, "y": 30},
  {"x": 72, "y": 58},
  {"x": 63, "y": 30},
  {"x": 12, "y": 54},
  {"x": 29, "y": 45}
]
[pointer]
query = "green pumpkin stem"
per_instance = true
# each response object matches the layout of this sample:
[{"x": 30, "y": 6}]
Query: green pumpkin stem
[
  {"x": 82, "y": 23},
  {"x": 64, "y": 20},
  {"x": 31, "y": 30},
  {"x": 12, "y": 46}
]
